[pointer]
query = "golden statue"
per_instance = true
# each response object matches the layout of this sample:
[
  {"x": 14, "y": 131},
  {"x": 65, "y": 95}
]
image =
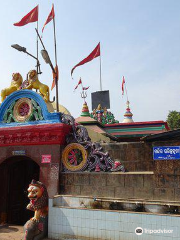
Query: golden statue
[
  {"x": 15, "y": 85},
  {"x": 34, "y": 83},
  {"x": 99, "y": 107}
]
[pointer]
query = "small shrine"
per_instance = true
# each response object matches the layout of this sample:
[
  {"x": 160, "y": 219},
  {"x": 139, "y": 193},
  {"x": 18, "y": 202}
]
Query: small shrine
[
  {"x": 128, "y": 115},
  {"x": 95, "y": 128},
  {"x": 85, "y": 110}
]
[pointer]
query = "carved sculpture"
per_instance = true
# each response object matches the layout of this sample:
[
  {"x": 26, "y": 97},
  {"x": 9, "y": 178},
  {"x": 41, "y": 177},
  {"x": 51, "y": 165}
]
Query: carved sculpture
[
  {"x": 37, "y": 227},
  {"x": 34, "y": 83},
  {"x": 15, "y": 85},
  {"x": 103, "y": 115},
  {"x": 23, "y": 110},
  {"x": 76, "y": 159}
]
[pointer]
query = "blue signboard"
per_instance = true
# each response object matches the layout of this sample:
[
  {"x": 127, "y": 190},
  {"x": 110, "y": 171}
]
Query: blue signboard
[
  {"x": 19, "y": 152},
  {"x": 166, "y": 153}
]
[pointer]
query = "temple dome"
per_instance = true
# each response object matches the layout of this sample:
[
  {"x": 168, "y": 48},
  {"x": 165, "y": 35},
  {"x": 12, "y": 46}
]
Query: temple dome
[{"x": 61, "y": 108}]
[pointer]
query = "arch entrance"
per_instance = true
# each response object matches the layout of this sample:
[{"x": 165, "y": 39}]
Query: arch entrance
[{"x": 15, "y": 175}]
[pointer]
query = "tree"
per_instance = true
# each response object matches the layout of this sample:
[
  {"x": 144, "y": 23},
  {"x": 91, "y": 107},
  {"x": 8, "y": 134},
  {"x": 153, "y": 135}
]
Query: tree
[{"x": 173, "y": 120}]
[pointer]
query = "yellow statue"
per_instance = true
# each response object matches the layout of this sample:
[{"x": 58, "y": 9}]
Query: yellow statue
[
  {"x": 99, "y": 107},
  {"x": 15, "y": 85},
  {"x": 34, "y": 83},
  {"x": 37, "y": 193}
]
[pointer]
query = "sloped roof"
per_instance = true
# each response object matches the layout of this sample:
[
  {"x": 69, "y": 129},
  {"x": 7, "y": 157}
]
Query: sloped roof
[
  {"x": 165, "y": 136},
  {"x": 136, "y": 129}
]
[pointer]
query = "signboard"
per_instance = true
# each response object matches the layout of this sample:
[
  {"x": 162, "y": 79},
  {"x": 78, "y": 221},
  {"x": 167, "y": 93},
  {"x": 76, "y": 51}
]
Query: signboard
[
  {"x": 166, "y": 153},
  {"x": 100, "y": 97},
  {"x": 19, "y": 153},
  {"x": 46, "y": 159}
]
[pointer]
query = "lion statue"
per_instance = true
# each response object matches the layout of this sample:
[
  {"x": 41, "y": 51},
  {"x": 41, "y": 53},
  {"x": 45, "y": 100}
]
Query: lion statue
[
  {"x": 34, "y": 83},
  {"x": 37, "y": 227},
  {"x": 15, "y": 85}
]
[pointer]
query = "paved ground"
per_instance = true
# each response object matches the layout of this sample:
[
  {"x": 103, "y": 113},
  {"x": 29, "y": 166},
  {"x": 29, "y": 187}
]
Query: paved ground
[{"x": 12, "y": 232}]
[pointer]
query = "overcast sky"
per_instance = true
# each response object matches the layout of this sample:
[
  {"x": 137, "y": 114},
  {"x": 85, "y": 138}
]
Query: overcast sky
[{"x": 140, "y": 39}]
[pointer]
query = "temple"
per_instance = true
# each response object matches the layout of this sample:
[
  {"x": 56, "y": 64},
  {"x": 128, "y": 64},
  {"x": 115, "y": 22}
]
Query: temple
[
  {"x": 92, "y": 163},
  {"x": 94, "y": 177}
]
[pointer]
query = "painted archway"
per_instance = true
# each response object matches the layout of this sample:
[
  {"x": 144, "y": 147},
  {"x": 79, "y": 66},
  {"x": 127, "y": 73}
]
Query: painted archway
[{"x": 8, "y": 104}]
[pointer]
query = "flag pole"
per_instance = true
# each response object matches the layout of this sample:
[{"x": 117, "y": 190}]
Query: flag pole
[
  {"x": 55, "y": 50},
  {"x": 81, "y": 85},
  {"x": 83, "y": 92},
  {"x": 83, "y": 95},
  {"x": 126, "y": 91},
  {"x": 37, "y": 46},
  {"x": 100, "y": 73}
]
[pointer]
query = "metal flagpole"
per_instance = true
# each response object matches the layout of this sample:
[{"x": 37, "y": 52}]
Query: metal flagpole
[
  {"x": 55, "y": 49},
  {"x": 100, "y": 73},
  {"x": 126, "y": 91},
  {"x": 81, "y": 85},
  {"x": 83, "y": 95},
  {"x": 37, "y": 68}
]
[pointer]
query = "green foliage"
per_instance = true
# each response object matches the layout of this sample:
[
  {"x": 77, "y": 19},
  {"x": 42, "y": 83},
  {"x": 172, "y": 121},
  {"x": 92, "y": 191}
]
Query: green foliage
[{"x": 173, "y": 120}]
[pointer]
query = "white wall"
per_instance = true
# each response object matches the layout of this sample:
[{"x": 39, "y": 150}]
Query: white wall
[{"x": 109, "y": 225}]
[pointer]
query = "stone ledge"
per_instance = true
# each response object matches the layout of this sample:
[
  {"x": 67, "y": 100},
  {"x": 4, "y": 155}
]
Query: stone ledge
[
  {"x": 113, "y": 173},
  {"x": 124, "y": 200}
]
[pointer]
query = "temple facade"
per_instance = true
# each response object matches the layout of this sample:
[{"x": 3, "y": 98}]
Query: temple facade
[
  {"x": 95, "y": 168},
  {"x": 31, "y": 142}
]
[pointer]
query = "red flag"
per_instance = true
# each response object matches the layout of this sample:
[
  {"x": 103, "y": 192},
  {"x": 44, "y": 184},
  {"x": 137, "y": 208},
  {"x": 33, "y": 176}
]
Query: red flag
[
  {"x": 55, "y": 77},
  {"x": 85, "y": 88},
  {"x": 95, "y": 53},
  {"x": 80, "y": 82},
  {"x": 50, "y": 17},
  {"x": 123, "y": 82},
  {"x": 32, "y": 16}
]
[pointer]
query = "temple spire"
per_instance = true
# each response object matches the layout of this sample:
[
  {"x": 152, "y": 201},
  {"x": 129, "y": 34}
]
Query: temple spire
[
  {"x": 85, "y": 110},
  {"x": 128, "y": 115}
]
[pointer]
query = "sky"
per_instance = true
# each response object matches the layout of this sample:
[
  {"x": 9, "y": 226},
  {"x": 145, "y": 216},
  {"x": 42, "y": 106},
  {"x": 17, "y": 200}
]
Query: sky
[{"x": 140, "y": 39}]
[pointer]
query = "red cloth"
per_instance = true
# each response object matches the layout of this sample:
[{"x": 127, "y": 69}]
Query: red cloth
[
  {"x": 55, "y": 77},
  {"x": 80, "y": 82},
  {"x": 95, "y": 53},
  {"x": 85, "y": 88},
  {"x": 32, "y": 16},
  {"x": 123, "y": 82},
  {"x": 50, "y": 17}
]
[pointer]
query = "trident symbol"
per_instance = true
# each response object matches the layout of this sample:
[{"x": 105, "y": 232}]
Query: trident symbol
[{"x": 84, "y": 95}]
